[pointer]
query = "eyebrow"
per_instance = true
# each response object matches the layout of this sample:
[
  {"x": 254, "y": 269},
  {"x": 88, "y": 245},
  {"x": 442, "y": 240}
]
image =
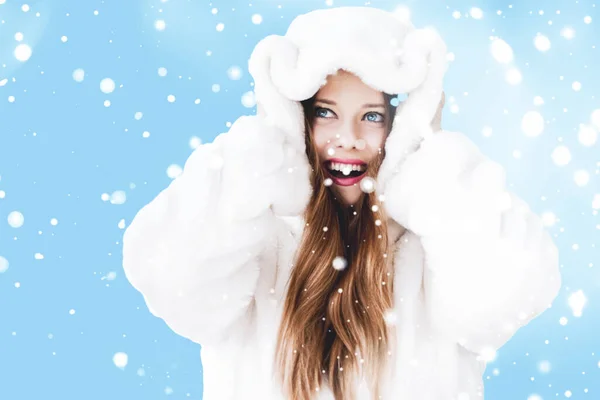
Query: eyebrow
[{"x": 333, "y": 103}]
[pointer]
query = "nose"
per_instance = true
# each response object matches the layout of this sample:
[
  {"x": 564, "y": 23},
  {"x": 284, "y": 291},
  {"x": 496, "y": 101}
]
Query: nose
[{"x": 346, "y": 137}]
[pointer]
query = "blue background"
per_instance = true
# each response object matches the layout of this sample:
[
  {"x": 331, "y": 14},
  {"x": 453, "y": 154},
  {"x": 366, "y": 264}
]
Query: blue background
[{"x": 61, "y": 149}]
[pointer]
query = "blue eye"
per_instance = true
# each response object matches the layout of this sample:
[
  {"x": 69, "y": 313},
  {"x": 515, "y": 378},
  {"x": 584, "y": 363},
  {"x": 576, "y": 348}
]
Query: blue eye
[
  {"x": 326, "y": 113},
  {"x": 374, "y": 117},
  {"x": 321, "y": 112}
]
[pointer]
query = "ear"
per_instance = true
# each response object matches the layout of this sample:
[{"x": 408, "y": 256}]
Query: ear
[{"x": 436, "y": 123}]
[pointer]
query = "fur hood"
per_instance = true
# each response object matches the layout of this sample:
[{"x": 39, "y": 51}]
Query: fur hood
[
  {"x": 386, "y": 52},
  {"x": 212, "y": 255}
]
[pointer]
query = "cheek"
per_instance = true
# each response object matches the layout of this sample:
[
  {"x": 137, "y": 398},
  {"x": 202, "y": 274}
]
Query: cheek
[
  {"x": 321, "y": 139},
  {"x": 375, "y": 139}
]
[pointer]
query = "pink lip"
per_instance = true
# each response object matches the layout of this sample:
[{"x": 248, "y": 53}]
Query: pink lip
[{"x": 347, "y": 161}]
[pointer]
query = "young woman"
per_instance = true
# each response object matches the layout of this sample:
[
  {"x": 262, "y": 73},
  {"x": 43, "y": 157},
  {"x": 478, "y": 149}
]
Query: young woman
[{"x": 338, "y": 245}]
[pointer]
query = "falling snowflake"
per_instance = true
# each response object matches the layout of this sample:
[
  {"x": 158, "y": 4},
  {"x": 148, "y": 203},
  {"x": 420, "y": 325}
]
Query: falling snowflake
[
  {"x": 568, "y": 33},
  {"x": 174, "y": 170},
  {"x": 78, "y": 75},
  {"x": 577, "y": 301},
  {"x": 501, "y": 51},
  {"x": 476, "y": 13},
  {"x": 596, "y": 202},
  {"x": 402, "y": 13},
  {"x": 248, "y": 100},
  {"x": 257, "y": 19},
  {"x": 390, "y": 317},
  {"x": 513, "y": 76},
  {"x": 542, "y": 43},
  {"x": 544, "y": 366},
  {"x": 16, "y": 219},
  {"x": 234, "y": 73},
  {"x": 107, "y": 85},
  {"x": 22, "y": 52},
  {"x": 561, "y": 156},
  {"x": 118, "y": 197},
  {"x": 160, "y": 25},
  {"x": 3, "y": 265},
  {"x": 109, "y": 277},
  {"x": 339, "y": 263},
  {"x": 587, "y": 135},
  {"x": 581, "y": 177},
  {"x": 368, "y": 184},
  {"x": 532, "y": 124},
  {"x": 195, "y": 142},
  {"x": 120, "y": 360}
]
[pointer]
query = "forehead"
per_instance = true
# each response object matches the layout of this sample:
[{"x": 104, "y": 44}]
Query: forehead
[{"x": 348, "y": 87}]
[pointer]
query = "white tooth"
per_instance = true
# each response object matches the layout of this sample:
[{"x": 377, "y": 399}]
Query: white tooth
[{"x": 346, "y": 168}]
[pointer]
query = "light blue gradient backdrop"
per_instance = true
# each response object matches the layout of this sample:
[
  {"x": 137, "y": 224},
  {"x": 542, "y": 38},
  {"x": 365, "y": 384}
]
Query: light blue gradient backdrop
[{"x": 61, "y": 149}]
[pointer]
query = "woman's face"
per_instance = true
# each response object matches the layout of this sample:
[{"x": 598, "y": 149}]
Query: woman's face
[{"x": 349, "y": 131}]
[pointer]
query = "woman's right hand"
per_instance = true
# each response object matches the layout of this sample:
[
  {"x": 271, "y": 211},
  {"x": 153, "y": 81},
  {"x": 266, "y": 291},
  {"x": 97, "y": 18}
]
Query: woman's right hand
[
  {"x": 196, "y": 251},
  {"x": 262, "y": 169}
]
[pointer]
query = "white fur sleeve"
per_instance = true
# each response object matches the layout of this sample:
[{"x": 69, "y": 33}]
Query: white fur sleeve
[
  {"x": 490, "y": 265},
  {"x": 195, "y": 251}
]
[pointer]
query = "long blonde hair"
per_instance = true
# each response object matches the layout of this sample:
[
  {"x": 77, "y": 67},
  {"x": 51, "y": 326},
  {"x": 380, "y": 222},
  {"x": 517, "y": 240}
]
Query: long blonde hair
[{"x": 333, "y": 326}]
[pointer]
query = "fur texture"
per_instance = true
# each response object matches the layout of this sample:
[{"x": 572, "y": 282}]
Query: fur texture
[
  {"x": 388, "y": 54},
  {"x": 212, "y": 253}
]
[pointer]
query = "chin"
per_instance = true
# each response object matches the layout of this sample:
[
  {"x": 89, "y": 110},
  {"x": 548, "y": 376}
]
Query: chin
[{"x": 348, "y": 195}]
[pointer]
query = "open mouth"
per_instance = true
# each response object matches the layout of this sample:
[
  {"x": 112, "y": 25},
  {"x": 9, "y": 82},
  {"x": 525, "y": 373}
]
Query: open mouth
[{"x": 345, "y": 171}]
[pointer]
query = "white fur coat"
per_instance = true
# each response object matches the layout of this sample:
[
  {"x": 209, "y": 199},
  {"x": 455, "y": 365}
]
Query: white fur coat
[{"x": 211, "y": 254}]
